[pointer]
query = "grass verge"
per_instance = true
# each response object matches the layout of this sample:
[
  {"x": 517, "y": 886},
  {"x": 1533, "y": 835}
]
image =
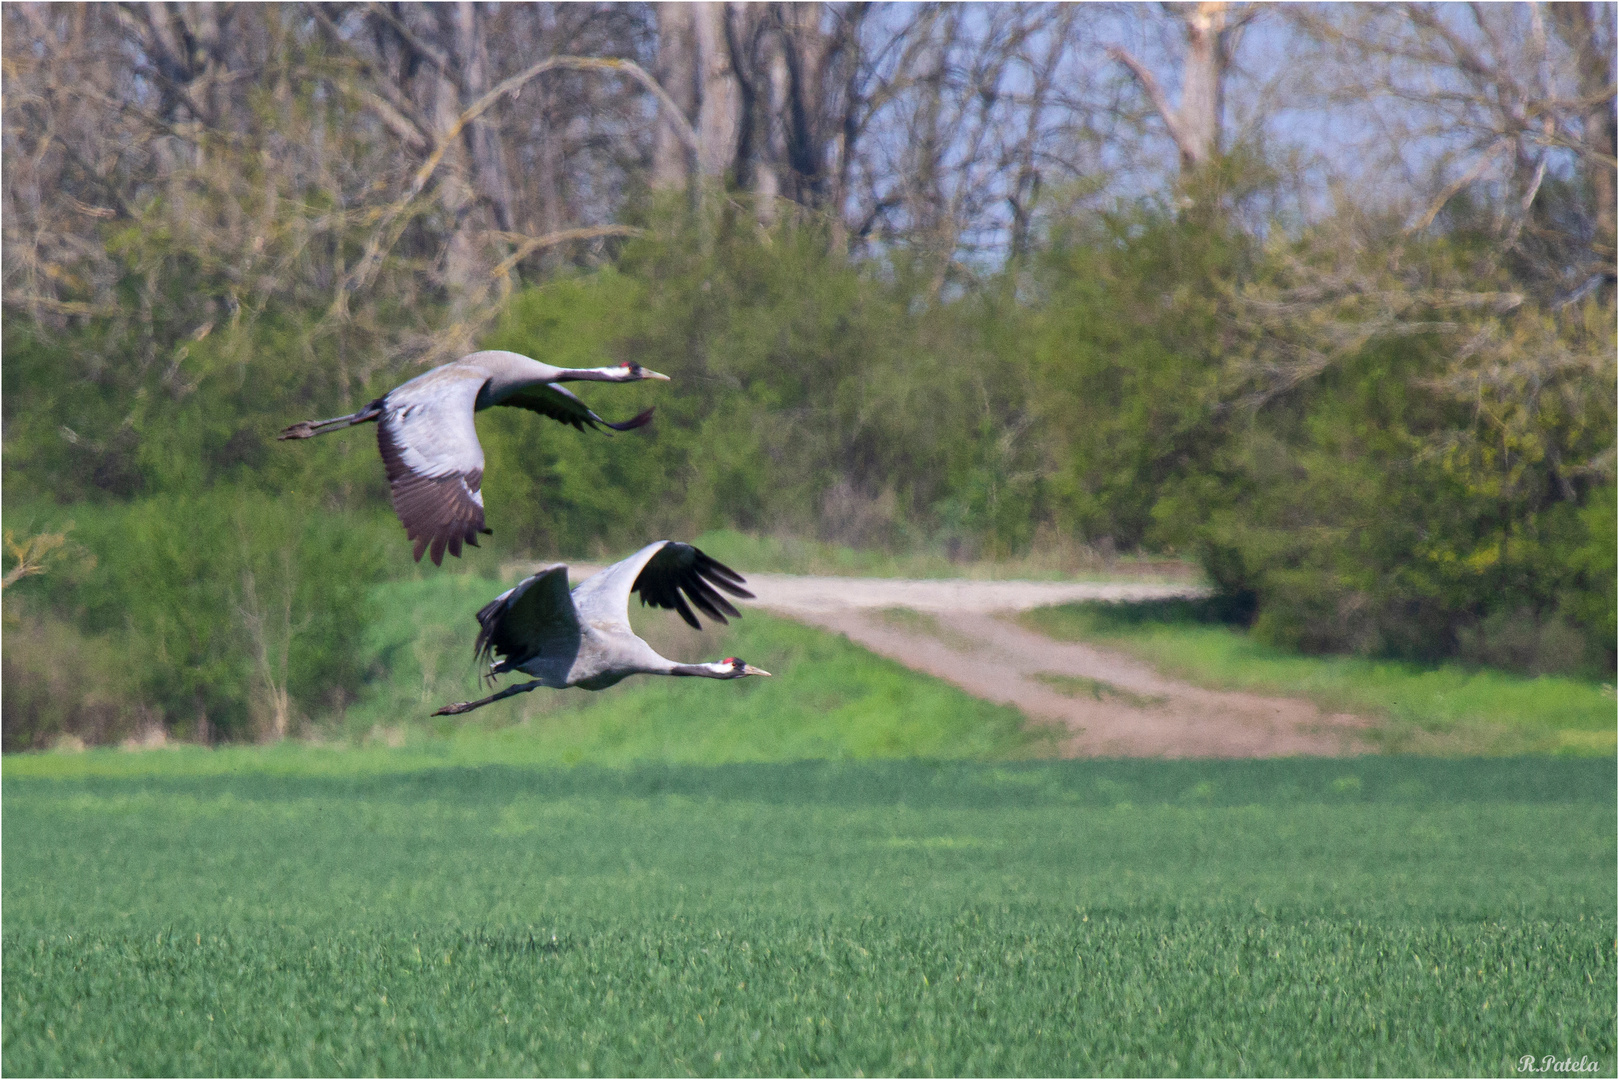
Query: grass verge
[
  {"x": 1368, "y": 916},
  {"x": 1446, "y": 708}
]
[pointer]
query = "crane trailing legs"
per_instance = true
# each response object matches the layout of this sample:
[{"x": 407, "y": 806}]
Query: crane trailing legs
[
  {"x": 430, "y": 446},
  {"x": 583, "y": 638}
]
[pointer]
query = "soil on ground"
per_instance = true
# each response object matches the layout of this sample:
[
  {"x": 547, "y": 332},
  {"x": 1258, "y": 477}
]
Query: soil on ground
[{"x": 1106, "y": 704}]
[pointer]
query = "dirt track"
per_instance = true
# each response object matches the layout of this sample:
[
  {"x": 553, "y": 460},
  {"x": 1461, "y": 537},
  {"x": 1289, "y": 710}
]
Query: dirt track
[{"x": 1115, "y": 706}]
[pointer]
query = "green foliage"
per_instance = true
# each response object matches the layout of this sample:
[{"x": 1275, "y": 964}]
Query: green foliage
[
  {"x": 1290, "y": 917},
  {"x": 1369, "y": 440},
  {"x": 827, "y": 698},
  {"x": 219, "y": 603},
  {"x": 1443, "y": 708},
  {"x": 1591, "y": 597},
  {"x": 1146, "y": 381},
  {"x": 809, "y": 395},
  {"x": 60, "y": 682},
  {"x": 1128, "y": 343},
  {"x": 88, "y": 418},
  {"x": 1420, "y": 453}
]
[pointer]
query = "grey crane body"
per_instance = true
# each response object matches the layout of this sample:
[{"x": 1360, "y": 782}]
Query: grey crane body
[
  {"x": 430, "y": 445},
  {"x": 583, "y": 638}
]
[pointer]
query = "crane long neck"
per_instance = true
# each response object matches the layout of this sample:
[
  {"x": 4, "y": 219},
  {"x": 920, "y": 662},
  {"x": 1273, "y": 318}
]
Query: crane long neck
[
  {"x": 607, "y": 374},
  {"x": 705, "y": 671}
]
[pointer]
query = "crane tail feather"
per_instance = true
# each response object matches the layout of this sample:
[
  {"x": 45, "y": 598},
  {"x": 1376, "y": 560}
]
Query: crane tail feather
[{"x": 640, "y": 419}]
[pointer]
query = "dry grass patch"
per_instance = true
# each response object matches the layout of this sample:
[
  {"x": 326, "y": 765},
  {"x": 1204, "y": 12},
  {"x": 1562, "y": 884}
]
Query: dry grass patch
[
  {"x": 1081, "y": 686},
  {"x": 921, "y": 622}
]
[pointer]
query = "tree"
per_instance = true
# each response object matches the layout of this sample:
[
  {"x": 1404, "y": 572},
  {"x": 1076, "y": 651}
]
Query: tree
[
  {"x": 1430, "y": 379},
  {"x": 1210, "y": 29},
  {"x": 358, "y": 162},
  {"x": 1510, "y": 106}
]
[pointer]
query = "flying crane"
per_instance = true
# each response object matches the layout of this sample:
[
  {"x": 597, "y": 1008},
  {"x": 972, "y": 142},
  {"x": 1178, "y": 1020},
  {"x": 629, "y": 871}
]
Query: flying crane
[
  {"x": 583, "y": 638},
  {"x": 430, "y": 446}
]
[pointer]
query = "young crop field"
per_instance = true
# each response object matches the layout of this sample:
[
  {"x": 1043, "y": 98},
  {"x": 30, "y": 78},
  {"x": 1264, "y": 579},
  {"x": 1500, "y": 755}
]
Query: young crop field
[{"x": 369, "y": 912}]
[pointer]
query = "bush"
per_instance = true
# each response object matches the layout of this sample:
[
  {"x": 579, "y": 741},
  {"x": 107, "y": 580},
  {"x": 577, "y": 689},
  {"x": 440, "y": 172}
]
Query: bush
[
  {"x": 809, "y": 396},
  {"x": 1363, "y": 514},
  {"x": 237, "y": 613},
  {"x": 59, "y": 682},
  {"x": 1128, "y": 346}
]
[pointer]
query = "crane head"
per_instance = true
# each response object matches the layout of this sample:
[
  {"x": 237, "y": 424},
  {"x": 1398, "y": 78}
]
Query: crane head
[
  {"x": 633, "y": 371},
  {"x": 732, "y": 668}
]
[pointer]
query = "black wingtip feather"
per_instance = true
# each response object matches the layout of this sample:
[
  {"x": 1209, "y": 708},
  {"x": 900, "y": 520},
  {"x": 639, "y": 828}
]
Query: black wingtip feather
[
  {"x": 710, "y": 601},
  {"x": 685, "y": 612},
  {"x": 722, "y": 575},
  {"x": 701, "y": 602},
  {"x": 734, "y": 590},
  {"x": 723, "y": 604},
  {"x": 687, "y": 578}
]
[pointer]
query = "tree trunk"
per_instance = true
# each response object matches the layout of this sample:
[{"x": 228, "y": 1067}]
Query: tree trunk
[
  {"x": 773, "y": 150},
  {"x": 1202, "y": 80},
  {"x": 1195, "y": 125},
  {"x": 1577, "y": 25},
  {"x": 719, "y": 110},
  {"x": 804, "y": 57},
  {"x": 672, "y": 164},
  {"x": 488, "y": 156}
]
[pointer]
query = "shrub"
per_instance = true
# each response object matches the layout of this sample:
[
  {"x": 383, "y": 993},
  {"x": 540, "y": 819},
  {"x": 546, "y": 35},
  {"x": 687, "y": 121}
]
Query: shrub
[
  {"x": 236, "y": 612},
  {"x": 809, "y": 396}
]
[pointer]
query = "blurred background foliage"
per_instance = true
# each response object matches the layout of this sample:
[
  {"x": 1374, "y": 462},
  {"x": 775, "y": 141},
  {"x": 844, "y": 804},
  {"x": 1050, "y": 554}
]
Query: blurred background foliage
[{"x": 1379, "y": 413}]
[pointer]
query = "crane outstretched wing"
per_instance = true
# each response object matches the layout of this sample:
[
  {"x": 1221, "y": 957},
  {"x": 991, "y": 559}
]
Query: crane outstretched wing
[
  {"x": 667, "y": 574},
  {"x": 435, "y": 464},
  {"x": 560, "y": 403},
  {"x": 536, "y": 617}
]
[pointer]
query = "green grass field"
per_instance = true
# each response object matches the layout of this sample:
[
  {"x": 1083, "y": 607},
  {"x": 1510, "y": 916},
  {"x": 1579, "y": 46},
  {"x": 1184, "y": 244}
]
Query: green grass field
[
  {"x": 295, "y": 910},
  {"x": 1445, "y": 708}
]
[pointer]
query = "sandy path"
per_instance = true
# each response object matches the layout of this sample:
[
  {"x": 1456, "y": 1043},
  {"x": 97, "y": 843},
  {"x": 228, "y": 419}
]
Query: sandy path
[
  {"x": 797, "y": 594},
  {"x": 968, "y": 641}
]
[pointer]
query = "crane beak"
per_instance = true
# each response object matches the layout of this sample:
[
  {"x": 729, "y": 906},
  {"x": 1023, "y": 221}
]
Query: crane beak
[
  {"x": 749, "y": 669},
  {"x": 648, "y": 373}
]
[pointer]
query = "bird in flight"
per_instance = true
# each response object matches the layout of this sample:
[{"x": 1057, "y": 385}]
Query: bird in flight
[
  {"x": 430, "y": 446},
  {"x": 583, "y": 638}
]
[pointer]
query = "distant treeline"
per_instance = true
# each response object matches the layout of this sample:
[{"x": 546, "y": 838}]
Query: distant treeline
[{"x": 1384, "y": 426}]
